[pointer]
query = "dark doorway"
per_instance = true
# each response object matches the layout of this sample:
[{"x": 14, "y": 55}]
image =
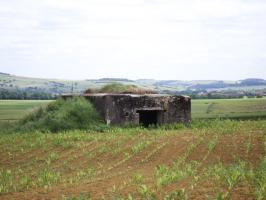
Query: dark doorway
[{"x": 148, "y": 117}]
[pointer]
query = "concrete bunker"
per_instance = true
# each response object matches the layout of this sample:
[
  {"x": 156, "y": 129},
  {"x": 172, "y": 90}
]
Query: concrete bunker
[{"x": 146, "y": 110}]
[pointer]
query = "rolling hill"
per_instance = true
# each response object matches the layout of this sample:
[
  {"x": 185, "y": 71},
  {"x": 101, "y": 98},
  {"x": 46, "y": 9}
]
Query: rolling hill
[{"x": 56, "y": 86}]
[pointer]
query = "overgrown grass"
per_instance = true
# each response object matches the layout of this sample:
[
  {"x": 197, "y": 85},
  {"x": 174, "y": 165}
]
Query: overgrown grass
[
  {"x": 62, "y": 115},
  {"x": 67, "y": 117},
  {"x": 119, "y": 88}
]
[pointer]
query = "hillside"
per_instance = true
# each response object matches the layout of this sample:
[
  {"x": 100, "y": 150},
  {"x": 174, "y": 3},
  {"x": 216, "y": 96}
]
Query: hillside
[{"x": 56, "y": 86}]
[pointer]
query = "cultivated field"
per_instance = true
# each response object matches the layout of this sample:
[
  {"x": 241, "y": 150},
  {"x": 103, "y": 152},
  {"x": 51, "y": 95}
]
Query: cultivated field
[
  {"x": 222, "y": 161},
  {"x": 211, "y": 159}
]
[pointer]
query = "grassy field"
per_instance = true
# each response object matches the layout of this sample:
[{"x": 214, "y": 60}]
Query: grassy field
[
  {"x": 229, "y": 108},
  {"x": 16, "y": 109},
  {"x": 234, "y": 108}
]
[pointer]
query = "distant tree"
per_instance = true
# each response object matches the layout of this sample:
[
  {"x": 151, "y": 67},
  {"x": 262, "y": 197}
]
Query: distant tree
[{"x": 24, "y": 94}]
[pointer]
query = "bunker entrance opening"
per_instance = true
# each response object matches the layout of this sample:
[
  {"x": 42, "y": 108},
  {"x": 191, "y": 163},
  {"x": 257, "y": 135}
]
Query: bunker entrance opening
[{"x": 148, "y": 117}]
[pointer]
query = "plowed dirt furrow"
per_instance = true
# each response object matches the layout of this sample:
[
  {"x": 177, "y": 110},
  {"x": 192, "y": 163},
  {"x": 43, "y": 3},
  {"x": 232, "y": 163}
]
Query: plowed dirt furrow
[
  {"x": 23, "y": 162},
  {"x": 226, "y": 151},
  {"x": 113, "y": 169},
  {"x": 107, "y": 159}
]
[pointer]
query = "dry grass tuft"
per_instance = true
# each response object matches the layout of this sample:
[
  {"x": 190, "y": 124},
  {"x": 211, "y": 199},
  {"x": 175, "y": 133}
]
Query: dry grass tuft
[{"x": 118, "y": 88}]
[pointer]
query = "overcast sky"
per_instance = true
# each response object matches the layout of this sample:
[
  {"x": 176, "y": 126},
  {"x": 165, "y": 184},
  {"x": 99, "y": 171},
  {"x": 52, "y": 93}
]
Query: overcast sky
[{"x": 158, "y": 39}]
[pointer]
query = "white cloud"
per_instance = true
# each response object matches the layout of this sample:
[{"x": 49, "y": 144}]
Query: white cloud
[{"x": 136, "y": 39}]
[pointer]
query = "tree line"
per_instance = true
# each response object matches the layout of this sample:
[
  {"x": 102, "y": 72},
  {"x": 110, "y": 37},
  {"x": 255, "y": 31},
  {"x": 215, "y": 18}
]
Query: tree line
[{"x": 23, "y": 94}]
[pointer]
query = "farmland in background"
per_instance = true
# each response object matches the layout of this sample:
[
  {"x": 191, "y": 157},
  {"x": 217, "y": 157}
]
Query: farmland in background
[
  {"x": 229, "y": 108},
  {"x": 209, "y": 108},
  {"x": 11, "y": 85},
  {"x": 16, "y": 109}
]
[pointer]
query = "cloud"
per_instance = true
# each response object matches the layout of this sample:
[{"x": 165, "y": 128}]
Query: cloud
[{"x": 135, "y": 39}]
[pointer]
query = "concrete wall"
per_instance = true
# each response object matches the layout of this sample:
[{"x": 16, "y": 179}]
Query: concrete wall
[{"x": 123, "y": 109}]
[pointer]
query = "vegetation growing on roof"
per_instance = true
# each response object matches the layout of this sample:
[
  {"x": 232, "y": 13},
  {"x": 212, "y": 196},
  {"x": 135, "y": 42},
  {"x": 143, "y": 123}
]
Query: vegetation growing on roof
[{"x": 119, "y": 88}]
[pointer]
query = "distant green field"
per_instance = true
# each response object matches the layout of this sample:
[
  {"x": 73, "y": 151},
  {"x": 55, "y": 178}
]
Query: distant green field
[
  {"x": 229, "y": 108},
  {"x": 210, "y": 108},
  {"x": 16, "y": 109}
]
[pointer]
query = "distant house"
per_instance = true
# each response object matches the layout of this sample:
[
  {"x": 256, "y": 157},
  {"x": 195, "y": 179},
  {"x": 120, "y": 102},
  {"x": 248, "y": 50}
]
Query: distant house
[
  {"x": 259, "y": 95},
  {"x": 121, "y": 109}
]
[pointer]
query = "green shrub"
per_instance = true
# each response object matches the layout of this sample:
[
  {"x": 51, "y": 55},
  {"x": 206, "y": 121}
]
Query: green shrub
[
  {"x": 6, "y": 126},
  {"x": 62, "y": 115}
]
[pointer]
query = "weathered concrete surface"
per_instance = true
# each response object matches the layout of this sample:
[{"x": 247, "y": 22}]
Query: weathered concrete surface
[{"x": 121, "y": 109}]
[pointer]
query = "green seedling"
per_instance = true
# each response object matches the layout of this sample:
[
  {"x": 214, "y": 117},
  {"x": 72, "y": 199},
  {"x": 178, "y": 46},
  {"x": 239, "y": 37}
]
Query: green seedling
[
  {"x": 229, "y": 176},
  {"x": 146, "y": 193},
  {"x": 257, "y": 178},
  {"x": 165, "y": 176},
  {"x": 81, "y": 174},
  {"x": 6, "y": 182},
  {"x": 46, "y": 178},
  {"x": 51, "y": 157},
  {"x": 177, "y": 195},
  {"x": 80, "y": 197},
  {"x": 138, "y": 147},
  {"x": 137, "y": 178},
  {"x": 212, "y": 144},
  {"x": 24, "y": 182},
  {"x": 248, "y": 144}
]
